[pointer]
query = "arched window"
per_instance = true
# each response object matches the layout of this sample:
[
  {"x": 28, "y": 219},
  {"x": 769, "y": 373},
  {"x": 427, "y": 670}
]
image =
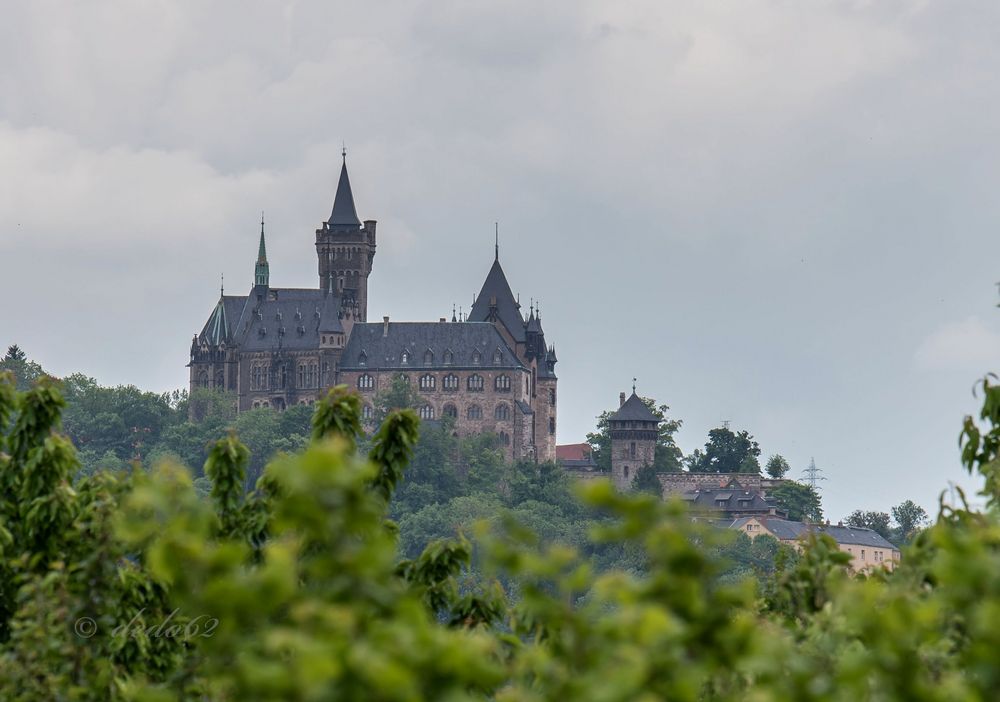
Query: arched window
[
  {"x": 405, "y": 358},
  {"x": 428, "y": 357},
  {"x": 427, "y": 412},
  {"x": 448, "y": 358},
  {"x": 552, "y": 396},
  {"x": 502, "y": 383},
  {"x": 477, "y": 358},
  {"x": 497, "y": 357},
  {"x": 552, "y": 425},
  {"x": 626, "y": 472},
  {"x": 450, "y": 411},
  {"x": 366, "y": 382},
  {"x": 504, "y": 438},
  {"x": 363, "y": 359},
  {"x": 631, "y": 450},
  {"x": 203, "y": 379},
  {"x": 475, "y": 412},
  {"x": 427, "y": 382},
  {"x": 475, "y": 383},
  {"x": 502, "y": 411},
  {"x": 450, "y": 382}
]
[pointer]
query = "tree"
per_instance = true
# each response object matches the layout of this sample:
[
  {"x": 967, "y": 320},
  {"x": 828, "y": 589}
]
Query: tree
[
  {"x": 800, "y": 501},
  {"x": 666, "y": 455},
  {"x": 909, "y": 518},
  {"x": 876, "y": 521},
  {"x": 646, "y": 480},
  {"x": 777, "y": 466},
  {"x": 727, "y": 452},
  {"x": 25, "y": 371},
  {"x": 398, "y": 396}
]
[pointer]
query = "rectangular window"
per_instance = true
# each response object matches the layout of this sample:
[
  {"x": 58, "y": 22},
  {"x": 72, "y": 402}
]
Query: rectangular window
[{"x": 862, "y": 554}]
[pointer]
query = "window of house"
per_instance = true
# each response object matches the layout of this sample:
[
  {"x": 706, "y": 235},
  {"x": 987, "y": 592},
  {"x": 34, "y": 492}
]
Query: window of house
[
  {"x": 477, "y": 358},
  {"x": 504, "y": 438},
  {"x": 366, "y": 382},
  {"x": 631, "y": 450},
  {"x": 552, "y": 396},
  {"x": 552, "y": 425},
  {"x": 862, "y": 554},
  {"x": 427, "y": 382},
  {"x": 450, "y": 382},
  {"x": 475, "y": 412},
  {"x": 475, "y": 382},
  {"x": 450, "y": 411},
  {"x": 427, "y": 412},
  {"x": 448, "y": 358},
  {"x": 626, "y": 471},
  {"x": 367, "y": 412},
  {"x": 502, "y": 383},
  {"x": 497, "y": 357},
  {"x": 363, "y": 359},
  {"x": 502, "y": 411},
  {"x": 428, "y": 357},
  {"x": 405, "y": 358}
]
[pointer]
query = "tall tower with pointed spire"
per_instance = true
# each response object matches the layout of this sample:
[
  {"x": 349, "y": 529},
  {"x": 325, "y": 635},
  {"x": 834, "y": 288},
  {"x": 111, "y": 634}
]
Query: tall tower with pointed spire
[
  {"x": 261, "y": 273},
  {"x": 346, "y": 248}
]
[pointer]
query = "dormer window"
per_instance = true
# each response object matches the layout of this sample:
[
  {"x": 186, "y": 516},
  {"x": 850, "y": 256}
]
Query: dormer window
[
  {"x": 362, "y": 359},
  {"x": 497, "y": 357},
  {"x": 448, "y": 358},
  {"x": 477, "y": 358},
  {"x": 428, "y": 357},
  {"x": 405, "y": 358}
]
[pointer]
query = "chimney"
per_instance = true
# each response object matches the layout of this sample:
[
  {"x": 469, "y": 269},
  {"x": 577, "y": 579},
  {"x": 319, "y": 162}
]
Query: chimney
[
  {"x": 621, "y": 399},
  {"x": 442, "y": 320},
  {"x": 840, "y": 524},
  {"x": 385, "y": 326}
]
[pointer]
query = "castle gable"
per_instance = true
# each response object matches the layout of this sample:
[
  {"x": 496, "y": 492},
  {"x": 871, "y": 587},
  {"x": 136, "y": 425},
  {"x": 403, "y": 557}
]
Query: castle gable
[{"x": 288, "y": 318}]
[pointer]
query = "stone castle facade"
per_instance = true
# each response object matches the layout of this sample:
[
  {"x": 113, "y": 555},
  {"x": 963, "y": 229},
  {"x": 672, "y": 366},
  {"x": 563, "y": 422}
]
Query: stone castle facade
[{"x": 276, "y": 347}]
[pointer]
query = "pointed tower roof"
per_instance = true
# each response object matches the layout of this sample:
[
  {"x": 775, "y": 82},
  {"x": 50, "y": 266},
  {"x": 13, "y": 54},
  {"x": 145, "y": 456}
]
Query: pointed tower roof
[
  {"x": 262, "y": 271},
  {"x": 496, "y": 288},
  {"x": 634, "y": 410},
  {"x": 217, "y": 329},
  {"x": 344, "y": 214}
]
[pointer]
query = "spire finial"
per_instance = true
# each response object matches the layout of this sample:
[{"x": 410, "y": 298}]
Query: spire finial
[
  {"x": 343, "y": 151},
  {"x": 222, "y": 284},
  {"x": 633, "y": 386},
  {"x": 453, "y": 317},
  {"x": 496, "y": 245}
]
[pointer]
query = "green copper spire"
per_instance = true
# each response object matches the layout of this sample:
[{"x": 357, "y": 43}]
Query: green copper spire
[{"x": 261, "y": 270}]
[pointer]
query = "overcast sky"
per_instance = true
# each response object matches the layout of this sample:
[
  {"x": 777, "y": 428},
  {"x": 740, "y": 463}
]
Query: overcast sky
[{"x": 779, "y": 214}]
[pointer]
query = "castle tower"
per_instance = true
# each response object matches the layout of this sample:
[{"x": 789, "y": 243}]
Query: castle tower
[
  {"x": 633, "y": 439},
  {"x": 346, "y": 248}
]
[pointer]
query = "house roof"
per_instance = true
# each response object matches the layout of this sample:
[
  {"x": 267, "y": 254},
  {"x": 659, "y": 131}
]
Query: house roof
[
  {"x": 731, "y": 498},
  {"x": 497, "y": 288},
  {"x": 634, "y": 410},
  {"x": 383, "y": 346},
  {"x": 286, "y": 318},
  {"x": 573, "y": 452},
  {"x": 787, "y": 530}
]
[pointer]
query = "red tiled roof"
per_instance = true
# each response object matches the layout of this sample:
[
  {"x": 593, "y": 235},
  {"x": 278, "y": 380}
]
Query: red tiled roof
[{"x": 573, "y": 452}]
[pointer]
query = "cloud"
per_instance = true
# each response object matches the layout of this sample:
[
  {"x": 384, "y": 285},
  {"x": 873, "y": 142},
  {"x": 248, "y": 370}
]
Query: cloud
[{"x": 967, "y": 345}]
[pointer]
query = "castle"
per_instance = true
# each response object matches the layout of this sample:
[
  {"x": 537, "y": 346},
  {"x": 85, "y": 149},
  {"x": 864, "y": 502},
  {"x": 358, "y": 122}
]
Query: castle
[{"x": 275, "y": 347}]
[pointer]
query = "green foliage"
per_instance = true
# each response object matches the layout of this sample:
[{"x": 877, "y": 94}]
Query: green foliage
[
  {"x": 799, "y": 501},
  {"x": 646, "y": 480},
  {"x": 304, "y": 596},
  {"x": 24, "y": 370},
  {"x": 909, "y": 518},
  {"x": 398, "y": 396},
  {"x": 876, "y": 521},
  {"x": 726, "y": 452},
  {"x": 777, "y": 466},
  {"x": 666, "y": 457}
]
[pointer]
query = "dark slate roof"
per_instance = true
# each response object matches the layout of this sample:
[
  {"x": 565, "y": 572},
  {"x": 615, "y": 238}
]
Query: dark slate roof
[
  {"x": 634, "y": 410},
  {"x": 219, "y": 327},
  {"x": 734, "y": 497},
  {"x": 534, "y": 325},
  {"x": 496, "y": 287},
  {"x": 344, "y": 214},
  {"x": 786, "y": 529},
  {"x": 460, "y": 338},
  {"x": 303, "y": 315}
]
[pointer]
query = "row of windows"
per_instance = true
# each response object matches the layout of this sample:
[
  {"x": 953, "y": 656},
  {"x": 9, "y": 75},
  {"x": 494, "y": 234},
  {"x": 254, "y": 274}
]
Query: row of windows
[
  {"x": 406, "y": 358},
  {"x": 502, "y": 412},
  {"x": 262, "y": 377},
  {"x": 428, "y": 382}
]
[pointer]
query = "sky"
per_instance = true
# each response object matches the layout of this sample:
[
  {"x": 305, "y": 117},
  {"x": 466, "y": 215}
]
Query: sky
[{"x": 772, "y": 213}]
